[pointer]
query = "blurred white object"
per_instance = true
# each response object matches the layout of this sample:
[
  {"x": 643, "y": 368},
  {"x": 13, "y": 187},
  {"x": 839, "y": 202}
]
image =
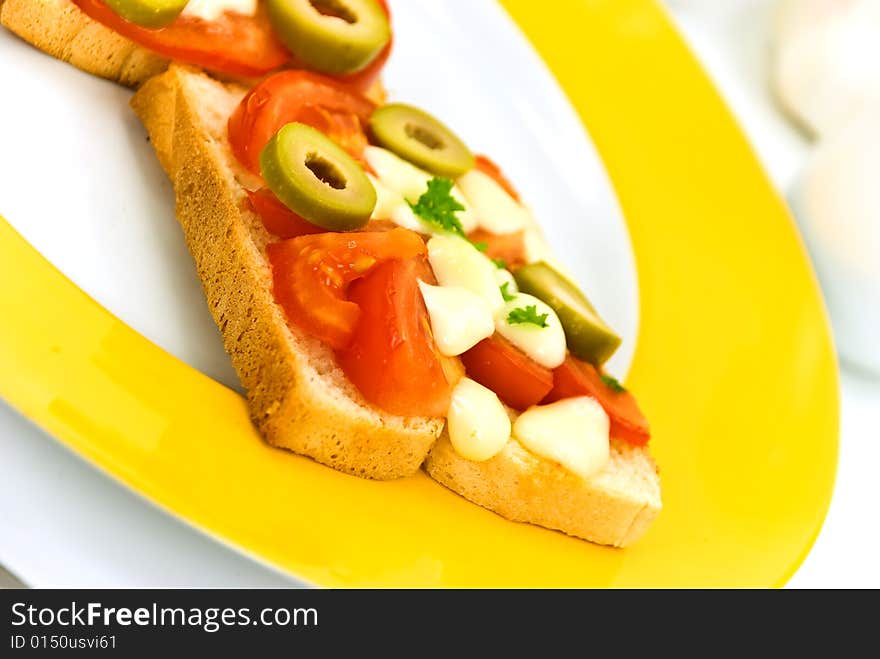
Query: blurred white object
[
  {"x": 826, "y": 75},
  {"x": 837, "y": 202},
  {"x": 732, "y": 39},
  {"x": 827, "y": 60}
]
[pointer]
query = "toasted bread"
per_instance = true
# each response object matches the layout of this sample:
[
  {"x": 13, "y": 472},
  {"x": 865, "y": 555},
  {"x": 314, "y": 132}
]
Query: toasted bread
[
  {"x": 59, "y": 28},
  {"x": 299, "y": 398},
  {"x": 613, "y": 508}
]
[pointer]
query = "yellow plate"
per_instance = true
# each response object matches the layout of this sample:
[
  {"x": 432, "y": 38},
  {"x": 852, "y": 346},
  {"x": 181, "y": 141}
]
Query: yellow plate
[{"x": 734, "y": 367}]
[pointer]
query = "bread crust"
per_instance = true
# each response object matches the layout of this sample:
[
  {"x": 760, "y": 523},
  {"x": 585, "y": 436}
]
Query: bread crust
[
  {"x": 299, "y": 399},
  {"x": 614, "y": 508},
  {"x": 59, "y": 28}
]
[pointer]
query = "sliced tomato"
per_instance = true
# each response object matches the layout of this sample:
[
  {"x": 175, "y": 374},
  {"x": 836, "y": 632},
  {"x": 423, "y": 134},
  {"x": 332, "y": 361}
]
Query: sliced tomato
[
  {"x": 577, "y": 378},
  {"x": 283, "y": 223},
  {"x": 392, "y": 358},
  {"x": 278, "y": 219},
  {"x": 344, "y": 128},
  {"x": 488, "y": 167},
  {"x": 327, "y": 105},
  {"x": 508, "y": 247},
  {"x": 380, "y": 225},
  {"x": 234, "y": 44},
  {"x": 311, "y": 275},
  {"x": 500, "y": 366}
]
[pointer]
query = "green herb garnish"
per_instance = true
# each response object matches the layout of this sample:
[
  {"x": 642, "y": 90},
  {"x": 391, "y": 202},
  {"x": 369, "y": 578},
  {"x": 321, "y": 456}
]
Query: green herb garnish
[
  {"x": 501, "y": 264},
  {"x": 527, "y": 315},
  {"x": 613, "y": 384},
  {"x": 438, "y": 207},
  {"x": 481, "y": 247},
  {"x": 507, "y": 295}
]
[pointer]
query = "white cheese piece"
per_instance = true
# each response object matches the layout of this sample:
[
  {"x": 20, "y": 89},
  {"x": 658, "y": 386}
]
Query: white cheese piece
[
  {"x": 495, "y": 210},
  {"x": 456, "y": 262},
  {"x": 387, "y": 200},
  {"x": 390, "y": 205},
  {"x": 460, "y": 318},
  {"x": 411, "y": 182},
  {"x": 503, "y": 276},
  {"x": 546, "y": 345},
  {"x": 572, "y": 432},
  {"x": 536, "y": 247},
  {"x": 397, "y": 173},
  {"x": 211, "y": 10},
  {"x": 403, "y": 216},
  {"x": 477, "y": 422}
]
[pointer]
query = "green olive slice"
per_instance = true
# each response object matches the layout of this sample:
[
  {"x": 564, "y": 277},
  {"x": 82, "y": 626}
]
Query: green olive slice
[
  {"x": 148, "y": 13},
  {"x": 317, "y": 179},
  {"x": 331, "y": 36},
  {"x": 415, "y": 135},
  {"x": 588, "y": 337}
]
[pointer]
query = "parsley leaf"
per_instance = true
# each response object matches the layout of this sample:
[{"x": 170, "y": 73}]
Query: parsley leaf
[
  {"x": 438, "y": 207},
  {"x": 527, "y": 315},
  {"x": 613, "y": 384},
  {"x": 481, "y": 247},
  {"x": 501, "y": 264},
  {"x": 507, "y": 295}
]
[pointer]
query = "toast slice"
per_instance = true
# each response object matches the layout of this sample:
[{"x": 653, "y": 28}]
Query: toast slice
[
  {"x": 59, "y": 28},
  {"x": 299, "y": 398},
  {"x": 613, "y": 508}
]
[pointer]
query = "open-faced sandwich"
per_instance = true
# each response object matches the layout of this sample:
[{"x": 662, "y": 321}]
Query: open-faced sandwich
[
  {"x": 387, "y": 300},
  {"x": 129, "y": 41}
]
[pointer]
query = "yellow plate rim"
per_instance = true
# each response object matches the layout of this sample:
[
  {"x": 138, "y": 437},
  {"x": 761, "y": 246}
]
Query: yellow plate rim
[{"x": 748, "y": 472}]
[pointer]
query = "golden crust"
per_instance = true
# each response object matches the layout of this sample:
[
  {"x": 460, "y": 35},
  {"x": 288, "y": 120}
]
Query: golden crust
[{"x": 614, "y": 508}]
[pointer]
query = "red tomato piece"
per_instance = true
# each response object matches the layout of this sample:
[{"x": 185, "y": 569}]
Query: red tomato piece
[
  {"x": 327, "y": 105},
  {"x": 234, "y": 44},
  {"x": 311, "y": 275},
  {"x": 488, "y": 167},
  {"x": 392, "y": 358},
  {"x": 508, "y": 247},
  {"x": 500, "y": 366},
  {"x": 278, "y": 219},
  {"x": 577, "y": 378}
]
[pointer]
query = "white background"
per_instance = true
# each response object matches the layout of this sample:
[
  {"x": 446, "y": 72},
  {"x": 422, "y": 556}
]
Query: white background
[{"x": 63, "y": 523}]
